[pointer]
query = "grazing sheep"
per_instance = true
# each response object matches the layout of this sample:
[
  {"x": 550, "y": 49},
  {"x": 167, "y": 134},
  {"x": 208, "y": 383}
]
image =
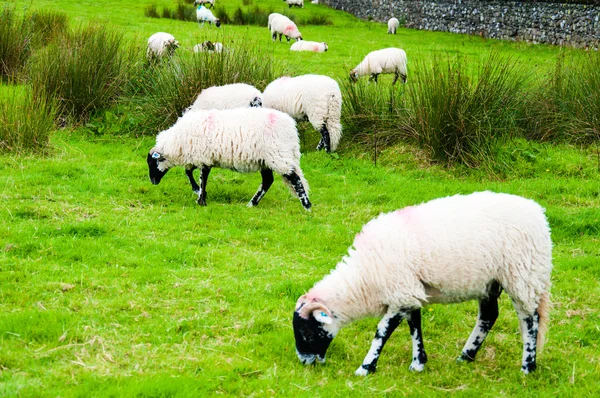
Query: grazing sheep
[
  {"x": 315, "y": 97},
  {"x": 203, "y": 14},
  {"x": 313, "y": 46},
  {"x": 447, "y": 250},
  {"x": 208, "y": 46},
  {"x": 314, "y": 2},
  {"x": 229, "y": 96},
  {"x": 284, "y": 26},
  {"x": 272, "y": 16},
  {"x": 205, "y": 2},
  {"x": 388, "y": 60},
  {"x": 393, "y": 24},
  {"x": 160, "y": 45},
  {"x": 295, "y": 3},
  {"x": 243, "y": 139}
]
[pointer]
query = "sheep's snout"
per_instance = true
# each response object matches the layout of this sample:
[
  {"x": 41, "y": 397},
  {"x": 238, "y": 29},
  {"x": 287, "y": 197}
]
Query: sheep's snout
[{"x": 218, "y": 23}]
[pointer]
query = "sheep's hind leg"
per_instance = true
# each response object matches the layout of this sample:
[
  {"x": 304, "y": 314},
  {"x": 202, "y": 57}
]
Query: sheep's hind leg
[
  {"x": 419, "y": 356},
  {"x": 294, "y": 179},
  {"x": 488, "y": 313},
  {"x": 267, "y": 180},
  {"x": 529, "y": 324},
  {"x": 189, "y": 171},
  {"x": 325, "y": 141},
  {"x": 385, "y": 328},
  {"x": 203, "y": 177},
  {"x": 396, "y": 74}
]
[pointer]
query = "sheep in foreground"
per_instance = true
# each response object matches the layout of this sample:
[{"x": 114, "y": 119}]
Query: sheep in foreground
[
  {"x": 313, "y": 46},
  {"x": 272, "y": 16},
  {"x": 160, "y": 45},
  {"x": 229, "y": 96},
  {"x": 283, "y": 26},
  {"x": 294, "y": 3},
  {"x": 388, "y": 60},
  {"x": 205, "y": 2},
  {"x": 208, "y": 46},
  {"x": 315, "y": 97},
  {"x": 203, "y": 14},
  {"x": 393, "y": 24},
  {"x": 244, "y": 140},
  {"x": 447, "y": 250}
]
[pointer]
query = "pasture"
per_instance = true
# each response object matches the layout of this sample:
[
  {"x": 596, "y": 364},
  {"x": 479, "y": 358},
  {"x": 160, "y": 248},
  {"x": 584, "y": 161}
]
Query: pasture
[{"x": 110, "y": 286}]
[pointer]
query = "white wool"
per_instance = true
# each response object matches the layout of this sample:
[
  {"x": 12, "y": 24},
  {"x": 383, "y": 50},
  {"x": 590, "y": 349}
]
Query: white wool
[
  {"x": 443, "y": 251},
  {"x": 297, "y": 3},
  {"x": 314, "y": 2},
  {"x": 316, "y": 97},
  {"x": 272, "y": 16},
  {"x": 159, "y": 43},
  {"x": 243, "y": 139},
  {"x": 203, "y": 14},
  {"x": 282, "y": 25},
  {"x": 304, "y": 45},
  {"x": 388, "y": 60},
  {"x": 393, "y": 24},
  {"x": 229, "y": 96}
]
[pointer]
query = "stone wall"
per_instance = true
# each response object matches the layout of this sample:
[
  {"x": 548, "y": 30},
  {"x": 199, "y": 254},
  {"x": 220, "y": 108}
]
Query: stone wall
[{"x": 555, "y": 23}]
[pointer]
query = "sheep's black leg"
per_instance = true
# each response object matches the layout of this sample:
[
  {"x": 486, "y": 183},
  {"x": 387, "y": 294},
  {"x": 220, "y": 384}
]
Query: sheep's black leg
[
  {"x": 274, "y": 36},
  {"x": 280, "y": 35},
  {"x": 325, "y": 141},
  {"x": 203, "y": 177},
  {"x": 529, "y": 329},
  {"x": 396, "y": 74},
  {"x": 385, "y": 328},
  {"x": 373, "y": 77},
  {"x": 267, "y": 180},
  {"x": 419, "y": 357},
  {"x": 488, "y": 313},
  {"x": 294, "y": 179},
  {"x": 189, "y": 171},
  {"x": 403, "y": 76}
]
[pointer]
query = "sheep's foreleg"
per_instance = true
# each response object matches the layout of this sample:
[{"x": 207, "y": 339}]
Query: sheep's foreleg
[
  {"x": 294, "y": 179},
  {"x": 385, "y": 328},
  {"x": 396, "y": 75},
  {"x": 419, "y": 357},
  {"x": 203, "y": 177},
  {"x": 373, "y": 77},
  {"x": 488, "y": 313},
  {"x": 325, "y": 141},
  {"x": 267, "y": 180},
  {"x": 189, "y": 171},
  {"x": 529, "y": 331},
  {"x": 274, "y": 36}
]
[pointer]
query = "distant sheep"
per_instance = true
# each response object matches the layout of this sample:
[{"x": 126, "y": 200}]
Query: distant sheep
[
  {"x": 208, "y": 46},
  {"x": 205, "y": 2},
  {"x": 314, "y": 2},
  {"x": 315, "y": 97},
  {"x": 203, "y": 14},
  {"x": 283, "y": 26},
  {"x": 160, "y": 45},
  {"x": 388, "y": 60},
  {"x": 448, "y": 250},
  {"x": 229, "y": 96},
  {"x": 393, "y": 24},
  {"x": 243, "y": 140},
  {"x": 295, "y": 3},
  {"x": 313, "y": 46}
]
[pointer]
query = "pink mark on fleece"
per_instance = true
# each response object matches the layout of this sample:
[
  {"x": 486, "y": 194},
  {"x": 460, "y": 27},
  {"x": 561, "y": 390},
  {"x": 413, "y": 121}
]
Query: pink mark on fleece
[
  {"x": 210, "y": 121},
  {"x": 271, "y": 119},
  {"x": 289, "y": 29}
]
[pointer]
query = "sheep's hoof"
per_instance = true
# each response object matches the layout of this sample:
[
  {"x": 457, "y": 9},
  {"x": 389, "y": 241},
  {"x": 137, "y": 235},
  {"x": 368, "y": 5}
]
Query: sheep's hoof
[
  {"x": 201, "y": 201},
  {"x": 464, "y": 358},
  {"x": 416, "y": 367},
  {"x": 362, "y": 372},
  {"x": 250, "y": 204}
]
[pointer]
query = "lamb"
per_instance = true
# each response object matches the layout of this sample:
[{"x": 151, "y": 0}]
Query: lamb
[
  {"x": 205, "y": 2},
  {"x": 160, "y": 45},
  {"x": 388, "y": 60},
  {"x": 208, "y": 46},
  {"x": 295, "y": 3},
  {"x": 243, "y": 139},
  {"x": 284, "y": 26},
  {"x": 229, "y": 96},
  {"x": 203, "y": 14},
  {"x": 393, "y": 24},
  {"x": 315, "y": 97},
  {"x": 447, "y": 250},
  {"x": 309, "y": 46},
  {"x": 272, "y": 16}
]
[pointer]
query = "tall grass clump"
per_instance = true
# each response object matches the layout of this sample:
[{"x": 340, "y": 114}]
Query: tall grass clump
[
  {"x": 84, "y": 71},
  {"x": 48, "y": 25},
  {"x": 25, "y": 122},
  {"x": 15, "y": 42},
  {"x": 151, "y": 11},
  {"x": 221, "y": 13},
  {"x": 253, "y": 16},
  {"x": 182, "y": 12},
  {"x": 171, "y": 87},
  {"x": 317, "y": 20}
]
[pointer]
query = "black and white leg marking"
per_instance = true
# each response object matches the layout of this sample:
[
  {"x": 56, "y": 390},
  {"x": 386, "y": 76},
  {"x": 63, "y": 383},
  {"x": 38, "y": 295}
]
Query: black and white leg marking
[
  {"x": 385, "y": 328},
  {"x": 294, "y": 179},
  {"x": 396, "y": 74},
  {"x": 189, "y": 171},
  {"x": 325, "y": 140},
  {"x": 203, "y": 177},
  {"x": 267, "y": 180},
  {"x": 488, "y": 313},
  {"x": 374, "y": 77},
  {"x": 419, "y": 357},
  {"x": 529, "y": 328}
]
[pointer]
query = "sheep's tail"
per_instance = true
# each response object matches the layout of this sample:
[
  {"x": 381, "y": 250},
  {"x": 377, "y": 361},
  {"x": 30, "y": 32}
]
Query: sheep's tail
[
  {"x": 332, "y": 121},
  {"x": 543, "y": 311}
]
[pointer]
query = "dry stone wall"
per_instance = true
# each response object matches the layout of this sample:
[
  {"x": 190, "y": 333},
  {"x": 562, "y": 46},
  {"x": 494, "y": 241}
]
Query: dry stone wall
[{"x": 554, "y": 23}]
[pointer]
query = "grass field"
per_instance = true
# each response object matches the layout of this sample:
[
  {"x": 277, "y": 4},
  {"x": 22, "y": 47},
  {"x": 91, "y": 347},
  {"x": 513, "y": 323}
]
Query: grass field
[{"x": 110, "y": 286}]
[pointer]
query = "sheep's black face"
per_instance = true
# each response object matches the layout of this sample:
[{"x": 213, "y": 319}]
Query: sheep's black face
[
  {"x": 312, "y": 340},
  {"x": 157, "y": 167},
  {"x": 256, "y": 102},
  {"x": 353, "y": 76},
  {"x": 218, "y": 23}
]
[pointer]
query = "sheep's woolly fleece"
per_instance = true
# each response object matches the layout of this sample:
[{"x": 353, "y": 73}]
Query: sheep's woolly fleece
[
  {"x": 393, "y": 24},
  {"x": 229, "y": 96},
  {"x": 284, "y": 26},
  {"x": 388, "y": 60},
  {"x": 305, "y": 45},
  {"x": 158, "y": 44}
]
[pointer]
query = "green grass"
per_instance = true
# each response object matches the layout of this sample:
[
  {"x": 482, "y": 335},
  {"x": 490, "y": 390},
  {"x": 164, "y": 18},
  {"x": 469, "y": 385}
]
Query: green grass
[{"x": 110, "y": 286}]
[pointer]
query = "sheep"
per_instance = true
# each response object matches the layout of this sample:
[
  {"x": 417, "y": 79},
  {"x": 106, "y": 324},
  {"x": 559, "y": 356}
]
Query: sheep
[
  {"x": 203, "y": 14},
  {"x": 448, "y": 250},
  {"x": 388, "y": 60},
  {"x": 272, "y": 16},
  {"x": 393, "y": 24},
  {"x": 229, "y": 96},
  {"x": 208, "y": 46},
  {"x": 243, "y": 140},
  {"x": 314, "y": 2},
  {"x": 284, "y": 26},
  {"x": 205, "y": 2},
  {"x": 313, "y": 46},
  {"x": 315, "y": 97},
  {"x": 160, "y": 45},
  {"x": 295, "y": 3}
]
